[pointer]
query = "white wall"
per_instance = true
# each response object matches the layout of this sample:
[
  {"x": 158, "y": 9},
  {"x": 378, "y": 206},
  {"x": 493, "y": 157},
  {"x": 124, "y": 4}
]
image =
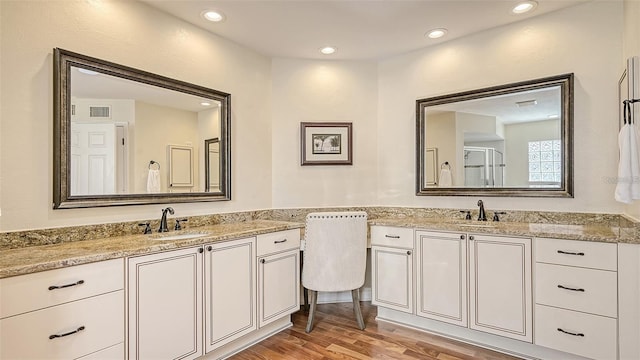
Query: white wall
[
  {"x": 319, "y": 91},
  {"x": 585, "y": 39},
  {"x": 156, "y": 128},
  {"x": 271, "y": 97},
  {"x": 136, "y": 35}
]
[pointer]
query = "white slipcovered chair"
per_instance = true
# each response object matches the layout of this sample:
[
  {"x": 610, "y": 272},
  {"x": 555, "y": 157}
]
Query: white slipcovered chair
[{"x": 335, "y": 257}]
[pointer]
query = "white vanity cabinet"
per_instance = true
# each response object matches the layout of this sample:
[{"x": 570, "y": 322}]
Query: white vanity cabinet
[
  {"x": 576, "y": 297},
  {"x": 230, "y": 291},
  {"x": 392, "y": 267},
  {"x": 52, "y": 314},
  {"x": 278, "y": 275},
  {"x": 165, "y": 305},
  {"x": 500, "y": 300},
  {"x": 441, "y": 276}
]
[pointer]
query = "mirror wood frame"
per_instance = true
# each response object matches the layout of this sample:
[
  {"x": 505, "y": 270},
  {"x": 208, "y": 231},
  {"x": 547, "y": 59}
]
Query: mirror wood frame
[
  {"x": 565, "y": 190},
  {"x": 63, "y": 60}
]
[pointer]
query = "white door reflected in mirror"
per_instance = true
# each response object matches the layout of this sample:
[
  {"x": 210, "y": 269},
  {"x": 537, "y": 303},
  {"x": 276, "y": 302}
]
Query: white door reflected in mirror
[{"x": 118, "y": 126}]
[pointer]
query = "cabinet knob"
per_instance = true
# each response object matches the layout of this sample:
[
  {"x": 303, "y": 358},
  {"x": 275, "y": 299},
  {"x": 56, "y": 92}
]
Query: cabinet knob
[
  {"x": 462, "y": 237},
  {"x": 408, "y": 252},
  {"x": 200, "y": 250},
  {"x": 262, "y": 261},
  {"x": 209, "y": 248},
  {"x": 471, "y": 237}
]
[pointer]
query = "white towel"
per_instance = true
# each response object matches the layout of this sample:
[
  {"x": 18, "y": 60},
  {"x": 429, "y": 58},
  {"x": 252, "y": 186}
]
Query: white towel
[
  {"x": 446, "y": 179},
  {"x": 153, "y": 181},
  {"x": 628, "y": 184}
]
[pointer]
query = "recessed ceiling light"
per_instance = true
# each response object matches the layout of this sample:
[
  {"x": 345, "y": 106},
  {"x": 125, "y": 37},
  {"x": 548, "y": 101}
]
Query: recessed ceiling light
[
  {"x": 213, "y": 15},
  {"x": 524, "y": 6},
  {"x": 328, "y": 50},
  {"x": 205, "y": 103},
  {"x": 436, "y": 33}
]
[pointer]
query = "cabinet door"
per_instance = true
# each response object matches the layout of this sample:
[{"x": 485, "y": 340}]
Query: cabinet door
[
  {"x": 278, "y": 286},
  {"x": 392, "y": 278},
  {"x": 165, "y": 305},
  {"x": 230, "y": 291},
  {"x": 442, "y": 276},
  {"x": 500, "y": 286}
]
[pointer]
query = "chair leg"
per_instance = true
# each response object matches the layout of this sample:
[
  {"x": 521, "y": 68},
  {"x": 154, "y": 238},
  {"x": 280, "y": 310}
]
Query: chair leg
[
  {"x": 355, "y": 295},
  {"x": 305, "y": 295},
  {"x": 314, "y": 299}
]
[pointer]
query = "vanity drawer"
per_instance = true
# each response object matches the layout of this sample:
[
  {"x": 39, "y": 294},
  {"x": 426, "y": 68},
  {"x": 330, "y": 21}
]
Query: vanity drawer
[
  {"x": 587, "y": 254},
  {"x": 28, "y": 336},
  {"x": 20, "y": 294},
  {"x": 586, "y": 290},
  {"x": 392, "y": 236},
  {"x": 586, "y": 335},
  {"x": 278, "y": 241}
]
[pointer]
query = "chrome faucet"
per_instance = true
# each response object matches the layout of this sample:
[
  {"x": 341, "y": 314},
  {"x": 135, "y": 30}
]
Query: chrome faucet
[
  {"x": 482, "y": 216},
  {"x": 163, "y": 220}
]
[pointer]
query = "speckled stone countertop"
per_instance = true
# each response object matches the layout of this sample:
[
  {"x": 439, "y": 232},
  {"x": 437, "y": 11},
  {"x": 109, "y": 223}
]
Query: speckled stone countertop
[
  {"x": 597, "y": 232},
  {"x": 32, "y": 259}
]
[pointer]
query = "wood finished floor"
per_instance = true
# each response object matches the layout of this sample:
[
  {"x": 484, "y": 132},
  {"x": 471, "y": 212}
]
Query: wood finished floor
[{"x": 336, "y": 336}]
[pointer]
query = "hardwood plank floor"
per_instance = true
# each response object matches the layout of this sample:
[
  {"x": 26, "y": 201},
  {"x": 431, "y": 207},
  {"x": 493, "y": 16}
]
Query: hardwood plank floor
[{"x": 336, "y": 336}]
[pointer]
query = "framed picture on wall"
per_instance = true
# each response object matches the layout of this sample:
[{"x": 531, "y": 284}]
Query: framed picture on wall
[{"x": 326, "y": 143}]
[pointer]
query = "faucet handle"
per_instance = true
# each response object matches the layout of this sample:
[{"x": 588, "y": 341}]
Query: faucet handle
[
  {"x": 468, "y": 216},
  {"x": 147, "y": 227},
  {"x": 496, "y": 217},
  {"x": 178, "y": 225}
]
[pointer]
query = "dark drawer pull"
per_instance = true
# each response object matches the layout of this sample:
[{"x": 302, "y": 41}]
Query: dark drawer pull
[
  {"x": 572, "y": 289},
  {"x": 570, "y": 253},
  {"x": 53, "y": 287},
  {"x": 570, "y": 333},
  {"x": 280, "y": 241},
  {"x": 569, "y": 288},
  {"x": 66, "y": 334},
  {"x": 393, "y": 236}
]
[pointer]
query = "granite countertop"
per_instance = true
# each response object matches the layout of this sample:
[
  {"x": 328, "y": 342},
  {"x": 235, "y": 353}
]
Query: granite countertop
[
  {"x": 30, "y": 259},
  {"x": 599, "y": 233},
  {"x": 47, "y": 257}
]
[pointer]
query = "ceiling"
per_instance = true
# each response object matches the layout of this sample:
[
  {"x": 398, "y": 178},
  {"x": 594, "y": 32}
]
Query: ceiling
[{"x": 360, "y": 29}]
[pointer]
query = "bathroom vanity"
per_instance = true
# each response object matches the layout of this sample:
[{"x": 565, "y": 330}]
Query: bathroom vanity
[
  {"x": 209, "y": 292},
  {"x": 539, "y": 285},
  {"x": 508, "y": 287}
]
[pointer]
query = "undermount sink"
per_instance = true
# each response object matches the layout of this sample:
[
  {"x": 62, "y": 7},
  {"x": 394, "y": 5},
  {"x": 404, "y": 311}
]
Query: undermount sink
[
  {"x": 168, "y": 237},
  {"x": 478, "y": 225}
]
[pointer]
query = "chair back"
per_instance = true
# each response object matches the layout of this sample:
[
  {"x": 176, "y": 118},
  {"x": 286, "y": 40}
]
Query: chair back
[{"x": 335, "y": 252}]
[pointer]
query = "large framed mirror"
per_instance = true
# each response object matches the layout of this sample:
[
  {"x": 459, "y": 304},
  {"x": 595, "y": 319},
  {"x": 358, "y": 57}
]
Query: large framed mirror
[
  {"x": 507, "y": 140},
  {"x": 124, "y": 136}
]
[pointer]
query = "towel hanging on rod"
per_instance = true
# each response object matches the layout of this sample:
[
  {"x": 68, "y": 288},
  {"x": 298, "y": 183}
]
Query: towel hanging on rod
[
  {"x": 446, "y": 163},
  {"x": 628, "y": 187},
  {"x": 154, "y": 163}
]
